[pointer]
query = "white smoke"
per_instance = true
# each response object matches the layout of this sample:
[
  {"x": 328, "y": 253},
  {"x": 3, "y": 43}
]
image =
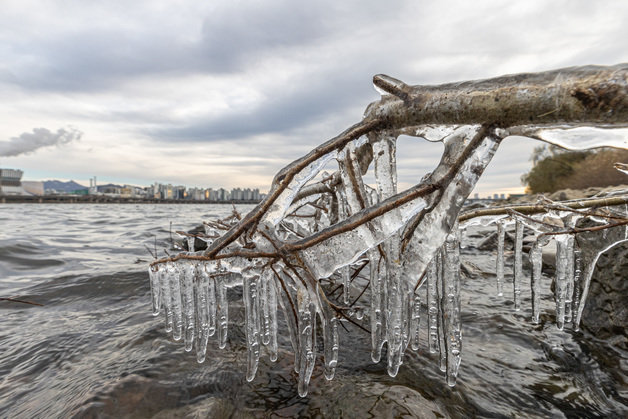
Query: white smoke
[{"x": 40, "y": 137}]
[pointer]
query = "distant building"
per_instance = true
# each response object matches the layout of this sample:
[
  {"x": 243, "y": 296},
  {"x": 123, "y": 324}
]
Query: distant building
[
  {"x": 33, "y": 187},
  {"x": 11, "y": 182}
]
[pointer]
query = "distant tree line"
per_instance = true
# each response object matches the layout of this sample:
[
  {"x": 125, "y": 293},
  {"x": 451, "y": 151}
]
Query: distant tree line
[{"x": 555, "y": 168}]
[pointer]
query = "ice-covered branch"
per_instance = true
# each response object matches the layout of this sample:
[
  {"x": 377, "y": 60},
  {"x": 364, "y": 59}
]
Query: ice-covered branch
[{"x": 314, "y": 227}]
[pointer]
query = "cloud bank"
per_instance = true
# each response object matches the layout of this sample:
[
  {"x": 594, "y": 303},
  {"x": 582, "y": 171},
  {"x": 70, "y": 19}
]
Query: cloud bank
[{"x": 28, "y": 142}]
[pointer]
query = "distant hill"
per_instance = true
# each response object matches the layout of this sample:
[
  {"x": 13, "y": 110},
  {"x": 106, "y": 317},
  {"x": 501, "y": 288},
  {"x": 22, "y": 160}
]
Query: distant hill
[
  {"x": 60, "y": 186},
  {"x": 108, "y": 186}
]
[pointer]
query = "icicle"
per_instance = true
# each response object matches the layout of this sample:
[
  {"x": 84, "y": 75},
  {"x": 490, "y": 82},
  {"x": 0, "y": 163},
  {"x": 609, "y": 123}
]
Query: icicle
[
  {"x": 307, "y": 339},
  {"x": 518, "y": 265},
  {"x": 569, "y": 290},
  {"x": 564, "y": 258},
  {"x": 396, "y": 306},
  {"x": 201, "y": 295},
  {"x": 415, "y": 324},
  {"x": 188, "y": 274},
  {"x": 577, "y": 276},
  {"x": 452, "y": 330},
  {"x": 536, "y": 259},
  {"x": 190, "y": 243},
  {"x": 268, "y": 311},
  {"x": 222, "y": 306},
  {"x": 378, "y": 299},
  {"x": 251, "y": 305},
  {"x": 432, "y": 303},
  {"x": 442, "y": 349},
  {"x": 500, "y": 258},
  {"x": 164, "y": 275},
  {"x": 331, "y": 347},
  {"x": 211, "y": 300},
  {"x": 345, "y": 271},
  {"x": 175, "y": 293},
  {"x": 155, "y": 291}
]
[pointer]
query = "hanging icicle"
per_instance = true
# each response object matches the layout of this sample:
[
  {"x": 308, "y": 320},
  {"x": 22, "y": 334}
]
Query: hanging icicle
[
  {"x": 517, "y": 277},
  {"x": 450, "y": 305},
  {"x": 499, "y": 269},
  {"x": 316, "y": 226}
]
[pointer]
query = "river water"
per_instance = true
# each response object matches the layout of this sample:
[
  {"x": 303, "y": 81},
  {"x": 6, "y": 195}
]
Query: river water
[{"x": 95, "y": 350}]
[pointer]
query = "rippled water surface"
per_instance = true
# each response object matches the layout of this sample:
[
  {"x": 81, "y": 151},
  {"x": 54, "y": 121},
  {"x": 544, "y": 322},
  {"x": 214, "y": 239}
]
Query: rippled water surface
[{"x": 94, "y": 349}]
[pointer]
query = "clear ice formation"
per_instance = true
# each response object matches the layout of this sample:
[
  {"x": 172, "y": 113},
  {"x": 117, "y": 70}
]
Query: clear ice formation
[{"x": 390, "y": 256}]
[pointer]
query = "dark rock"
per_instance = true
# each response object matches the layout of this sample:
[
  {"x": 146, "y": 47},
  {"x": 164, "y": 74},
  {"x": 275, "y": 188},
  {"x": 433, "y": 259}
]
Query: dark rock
[
  {"x": 198, "y": 243},
  {"x": 490, "y": 242},
  {"x": 606, "y": 311}
]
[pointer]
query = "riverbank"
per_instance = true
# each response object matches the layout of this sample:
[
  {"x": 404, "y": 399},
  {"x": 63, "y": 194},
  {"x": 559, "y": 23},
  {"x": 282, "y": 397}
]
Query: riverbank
[{"x": 104, "y": 199}]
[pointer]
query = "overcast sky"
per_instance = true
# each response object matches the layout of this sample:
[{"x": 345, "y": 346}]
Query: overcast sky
[{"x": 226, "y": 93}]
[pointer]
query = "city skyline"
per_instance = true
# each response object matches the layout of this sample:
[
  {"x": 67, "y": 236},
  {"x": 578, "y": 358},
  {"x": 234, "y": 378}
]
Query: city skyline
[{"x": 231, "y": 92}]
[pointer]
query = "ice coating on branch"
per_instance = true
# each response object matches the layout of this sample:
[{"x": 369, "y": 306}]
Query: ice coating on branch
[
  {"x": 518, "y": 265},
  {"x": 316, "y": 231},
  {"x": 499, "y": 268},
  {"x": 622, "y": 167},
  {"x": 582, "y": 138}
]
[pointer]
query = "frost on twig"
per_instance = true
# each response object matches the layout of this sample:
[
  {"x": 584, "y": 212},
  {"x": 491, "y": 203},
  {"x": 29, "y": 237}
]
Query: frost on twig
[{"x": 316, "y": 226}]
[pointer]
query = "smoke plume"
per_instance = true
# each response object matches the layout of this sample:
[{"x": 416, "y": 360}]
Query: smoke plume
[{"x": 28, "y": 142}]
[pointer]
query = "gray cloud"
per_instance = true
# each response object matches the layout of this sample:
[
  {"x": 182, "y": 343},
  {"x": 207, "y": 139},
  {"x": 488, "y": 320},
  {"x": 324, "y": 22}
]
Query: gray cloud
[{"x": 28, "y": 142}]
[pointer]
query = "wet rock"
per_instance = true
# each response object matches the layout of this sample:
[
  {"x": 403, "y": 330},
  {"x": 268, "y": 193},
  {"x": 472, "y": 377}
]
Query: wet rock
[
  {"x": 606, "y": 311},
  {"x": 490, "y": 242}
]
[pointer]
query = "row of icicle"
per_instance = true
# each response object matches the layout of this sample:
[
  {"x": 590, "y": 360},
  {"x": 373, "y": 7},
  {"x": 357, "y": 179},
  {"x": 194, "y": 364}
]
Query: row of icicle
[
  {"x": 193, "y": 300},
  {"x": 193, "y": 294}
]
